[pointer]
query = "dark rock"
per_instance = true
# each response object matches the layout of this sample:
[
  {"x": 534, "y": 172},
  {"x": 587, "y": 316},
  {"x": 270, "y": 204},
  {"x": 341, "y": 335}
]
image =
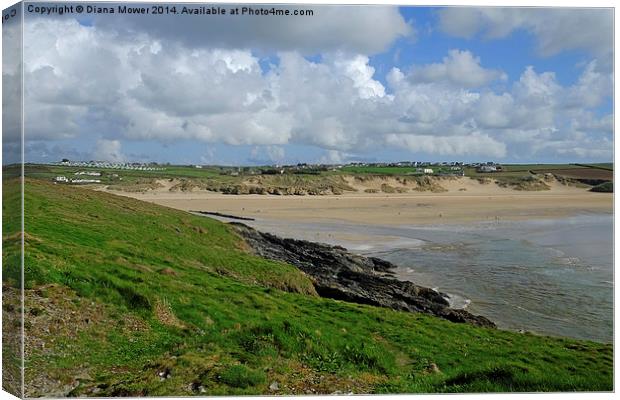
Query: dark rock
[
  {"x": 341, "y": 275},
  {"x": 218, "y": 214}
]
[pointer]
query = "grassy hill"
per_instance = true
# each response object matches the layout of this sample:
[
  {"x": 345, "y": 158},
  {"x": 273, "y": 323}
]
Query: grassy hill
[{"x": 128, "y": 298}]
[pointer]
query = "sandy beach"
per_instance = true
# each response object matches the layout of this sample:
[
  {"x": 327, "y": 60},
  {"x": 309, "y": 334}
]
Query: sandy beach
[{"x": 466, "y": 200}]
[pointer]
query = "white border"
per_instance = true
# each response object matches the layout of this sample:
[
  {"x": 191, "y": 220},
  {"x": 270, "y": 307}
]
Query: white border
[{"x": 508, "y": 3}]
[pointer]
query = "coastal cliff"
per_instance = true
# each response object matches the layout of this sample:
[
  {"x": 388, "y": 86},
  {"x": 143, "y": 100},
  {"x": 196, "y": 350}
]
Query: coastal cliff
[{"x": 341, "y": 275}]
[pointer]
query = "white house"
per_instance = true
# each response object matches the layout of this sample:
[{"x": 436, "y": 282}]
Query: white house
[
  {"x": 428, "y": 170},
  {"x": 88, "y": 173},
  {"x": 86, "y": 181}
]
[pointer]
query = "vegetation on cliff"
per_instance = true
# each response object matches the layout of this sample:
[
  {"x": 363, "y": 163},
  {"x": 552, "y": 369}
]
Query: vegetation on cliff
[{"x": 606, "y": 187}]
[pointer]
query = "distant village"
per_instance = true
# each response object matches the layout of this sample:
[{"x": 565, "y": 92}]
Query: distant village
[
  {"x": 422, "y": 168},
  {"x": 110, "y": 165},
  {"x": 89, "y": 177},
  {"x": 419, "y": 168}
]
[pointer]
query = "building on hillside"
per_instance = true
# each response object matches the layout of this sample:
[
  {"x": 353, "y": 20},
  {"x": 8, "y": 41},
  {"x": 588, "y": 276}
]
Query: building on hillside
[
  {"x": 486, "y": 168},
  {"x": 86, "y": 181},
  {"x": 89, "y": 173}
]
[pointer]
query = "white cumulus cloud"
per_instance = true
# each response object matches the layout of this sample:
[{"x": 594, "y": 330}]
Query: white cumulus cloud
[
  {"x": 90, "y": 84},
  {"x": 108, "y": 150},
  {"x": 460, "y": 68},
  {"x": 267, "y": 154}
]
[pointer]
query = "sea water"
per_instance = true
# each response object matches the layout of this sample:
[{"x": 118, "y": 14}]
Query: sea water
[{"x": 548, "y": 276}]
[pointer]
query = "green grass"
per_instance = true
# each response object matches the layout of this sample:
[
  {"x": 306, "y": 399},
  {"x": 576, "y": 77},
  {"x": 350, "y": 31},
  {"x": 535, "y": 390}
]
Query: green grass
[
  {"x": 240, "y": 376},
  {"x": 378, "y": 170},
  {"x": 396, "y": 171},
  {"x": 606, "y": 187},
  {"x": 528, "y": 167},
  {"x": 175, "y": 305},
  {"x": 607, "y": 166},
  {"x": 48, "y": 172}
]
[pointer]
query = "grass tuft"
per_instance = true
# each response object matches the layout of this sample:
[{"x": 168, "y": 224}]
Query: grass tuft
[{"x": 240, "y": 376}]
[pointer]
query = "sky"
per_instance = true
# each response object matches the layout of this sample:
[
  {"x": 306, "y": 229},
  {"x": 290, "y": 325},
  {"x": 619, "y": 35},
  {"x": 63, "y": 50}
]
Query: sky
[{"x": 347, "y": 84}]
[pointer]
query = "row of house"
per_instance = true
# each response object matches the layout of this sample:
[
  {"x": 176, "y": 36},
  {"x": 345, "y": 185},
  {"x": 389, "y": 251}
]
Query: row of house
[
  {"x": 110, "y": 165},
  {"x": 89, "y": 173},
  {"x": 408, "y": 164},
  {"x": 64, "y": 179}
]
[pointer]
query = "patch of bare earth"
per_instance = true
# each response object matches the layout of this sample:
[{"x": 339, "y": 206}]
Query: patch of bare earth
[
  {"x": 55, "y": 318},
  {"x": 11, "y": 339},
  {"x": 165, "y": 315},
  {"x": 302, "y": 380}
]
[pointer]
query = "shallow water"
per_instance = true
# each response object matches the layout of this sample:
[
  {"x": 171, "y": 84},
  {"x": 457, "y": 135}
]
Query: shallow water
[{"x": 552, "y": 276}]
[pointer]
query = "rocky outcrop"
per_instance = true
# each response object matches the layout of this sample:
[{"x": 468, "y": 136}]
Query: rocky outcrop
[
  {"x": 341, "y": 275},
  {"x": 218, "y": 214}
]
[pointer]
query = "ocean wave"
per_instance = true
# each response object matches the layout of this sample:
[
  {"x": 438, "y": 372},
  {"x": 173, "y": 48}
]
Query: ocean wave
[
  {"x": 561, "y": 258},
  {"x": 572, "y": 261},
  {"x": 386, "y": 246},
  {"x": 456, "y": 301},
  {"x": 541, "y": 314},
  {"x": 359, "y": 247}
]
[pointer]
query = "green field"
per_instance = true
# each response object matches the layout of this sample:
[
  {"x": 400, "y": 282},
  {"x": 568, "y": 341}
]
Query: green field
[
  {"x": 174, "y": 171},
  {"x": 392, "y": 170},
  {"x": 379, "y": 170},
  {"x": 529, "y": 167},
  {"x": 126, "y": 298},
  {"x": 527, "y": 176},
  {"x": 607, "y": 166}
]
